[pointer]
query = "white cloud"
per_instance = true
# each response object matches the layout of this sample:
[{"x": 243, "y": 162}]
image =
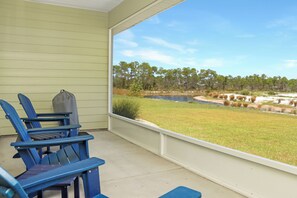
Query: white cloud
[
  {"x": 191, "y": 50},
  {"x": 126, "y": 43},
  {"x": 125, "y": 39},
  {"x": 193, "y": 42},
  {"x": 127, "y": 34},
  {"x": 291, "y": 63},
  {"x": 173, "y": 24},
  {"x": 213, "y": 62},
  {"x": 170, "y": 45},
  {"x": 288, "y": 22},
  {"x": 149, "y": 55},
  {"x": 163, "y": 43},
  {"x": 188, "y": 62},
  {"x": 154, "y": 20}
]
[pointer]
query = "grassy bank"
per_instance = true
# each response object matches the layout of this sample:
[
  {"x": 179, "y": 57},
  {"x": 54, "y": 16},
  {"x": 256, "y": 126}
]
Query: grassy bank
[{"x": 272, "y": 136}]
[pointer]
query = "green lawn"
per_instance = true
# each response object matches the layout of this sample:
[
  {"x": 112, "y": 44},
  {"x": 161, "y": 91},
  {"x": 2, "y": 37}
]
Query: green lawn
[{"x": 269, "y": 135}]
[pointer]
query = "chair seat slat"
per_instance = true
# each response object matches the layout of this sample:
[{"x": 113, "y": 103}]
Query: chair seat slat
[
  {"x": 62, "y": 157},
  {"x": 45, "y": 160},
  {"x": 53, "y": 159},
  {"x": 45, "y": 136},
  {"x": 71, "y": 154}
]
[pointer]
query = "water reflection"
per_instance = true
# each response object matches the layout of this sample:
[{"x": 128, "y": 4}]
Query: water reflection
[
  {"x": 181, "y": 99},
  {"x": 173, "y": 98}
]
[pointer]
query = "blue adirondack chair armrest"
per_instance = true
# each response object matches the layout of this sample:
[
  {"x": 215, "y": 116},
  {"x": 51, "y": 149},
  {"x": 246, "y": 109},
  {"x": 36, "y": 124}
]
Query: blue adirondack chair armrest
[
  {"x": 59, "y": 174},
  {"x": 66, "y": 114},
  {"x": 53, "y": 129},
  {"x": 52, "y": 142},
  {"x": 45, "y": 119}
]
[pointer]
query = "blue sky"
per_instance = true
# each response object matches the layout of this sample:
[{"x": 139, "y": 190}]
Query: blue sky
[{"x": 232, "y": 37}]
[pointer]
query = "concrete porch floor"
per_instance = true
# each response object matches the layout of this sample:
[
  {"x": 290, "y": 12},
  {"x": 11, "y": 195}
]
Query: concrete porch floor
[{"x": 130, "y": 171}]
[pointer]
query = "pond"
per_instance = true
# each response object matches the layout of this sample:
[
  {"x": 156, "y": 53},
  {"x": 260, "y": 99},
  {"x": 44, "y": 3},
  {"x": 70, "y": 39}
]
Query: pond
[
  {"x": 173, "y": 98},
  {"x": 181, "y": 99}
]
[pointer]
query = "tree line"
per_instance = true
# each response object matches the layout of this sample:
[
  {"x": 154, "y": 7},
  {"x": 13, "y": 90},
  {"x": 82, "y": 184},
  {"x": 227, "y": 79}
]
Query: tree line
[{"x": 157, "y": 78}]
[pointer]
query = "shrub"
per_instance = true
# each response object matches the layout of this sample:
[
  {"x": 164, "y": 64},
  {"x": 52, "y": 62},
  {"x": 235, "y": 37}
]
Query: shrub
[
  {"x": 135, "y": 89},
  {"x": 225, "y": 97},
  {"x": 117, "y": 91},
  {"x": 239, "y": 104},
  {"x": 283, "y": 110},
  {"x": 215, "y": 95},
  {"x": 126, "y": 107},
  {"x": 295, "y": 103},
  {"x": 291, "y": 102},
  {"x": 294, "y": 111},
  {"x": 233, "y": 104},
  {"x": 221, "y": 96},
  {"x": 253, "y": 99},
  {"x": 245, "y": 92},
  {"x": 245, "y": 105},
  {"x": 210, "y": 94},
  {"x": 226, "y": 103},
  {"x": 239, "y": 98},
  {"x": 271, "y": 93},
  {"x": 259, "y": 106},
  {"x": 231, "y": 97}
]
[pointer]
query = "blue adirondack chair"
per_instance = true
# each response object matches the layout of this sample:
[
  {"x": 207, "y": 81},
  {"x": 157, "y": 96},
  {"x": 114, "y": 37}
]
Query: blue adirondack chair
[
  {"x": 30, "y": 182},
  {"x": 73, "y": 149},
  {"x": 34, "y": 119}
]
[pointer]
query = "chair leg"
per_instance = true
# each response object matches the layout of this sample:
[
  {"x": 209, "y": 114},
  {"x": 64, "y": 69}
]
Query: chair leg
[
  {"x": 91, "y": 183},
  {"x": 48, "y": 150},
  {"x": 76, "y": 187},
  {"x": 40, "y": 152},
  {"x": 39, "y": 194},
  {"x": 64, "y": 192}
]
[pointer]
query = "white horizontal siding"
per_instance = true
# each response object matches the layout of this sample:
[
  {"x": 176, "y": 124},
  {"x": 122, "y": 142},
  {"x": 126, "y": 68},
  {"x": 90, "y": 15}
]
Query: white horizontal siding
[{"x": 44, "y": 49}]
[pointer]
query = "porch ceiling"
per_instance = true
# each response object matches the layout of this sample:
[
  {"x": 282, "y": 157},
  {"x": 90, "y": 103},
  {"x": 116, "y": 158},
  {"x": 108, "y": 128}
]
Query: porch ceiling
[{"x": 99, "y": 5}]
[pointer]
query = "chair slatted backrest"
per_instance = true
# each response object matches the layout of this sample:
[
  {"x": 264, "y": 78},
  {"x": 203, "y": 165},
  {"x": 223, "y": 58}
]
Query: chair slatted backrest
[
  {"x": 9, "y": 186},
  {"x": 16, "y": 122},
  {"x": 29, "y": 109}
]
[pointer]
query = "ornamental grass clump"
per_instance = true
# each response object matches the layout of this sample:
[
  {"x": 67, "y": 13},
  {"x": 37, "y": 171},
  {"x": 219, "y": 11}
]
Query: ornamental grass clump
[
  {"x": 126, "y": 107},
  {"x": 245, "y": 92}
]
